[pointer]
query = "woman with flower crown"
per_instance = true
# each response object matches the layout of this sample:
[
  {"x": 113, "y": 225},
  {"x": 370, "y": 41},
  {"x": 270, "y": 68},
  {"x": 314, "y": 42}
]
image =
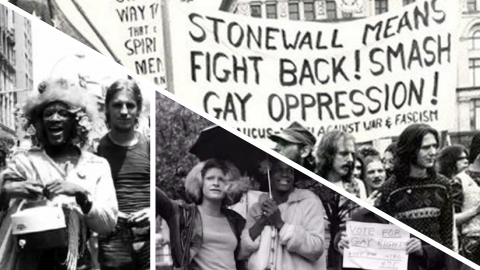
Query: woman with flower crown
[{"x": 56, "y": 171}]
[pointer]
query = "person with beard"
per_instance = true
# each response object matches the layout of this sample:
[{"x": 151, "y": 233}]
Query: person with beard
[
  {"x": 335, "y": 158},
  {"x": 296, "y": 143},
  {"x": 298, "y": 216},
  {"x": 416, "y": 194},
  {"x": 128, "y": 153}
]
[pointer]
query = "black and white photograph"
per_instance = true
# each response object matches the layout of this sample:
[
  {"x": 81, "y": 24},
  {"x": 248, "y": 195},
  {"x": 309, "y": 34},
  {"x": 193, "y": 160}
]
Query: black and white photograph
[
  {"x": 75, "y": 154},
  {"x": 379, "y": 98},
  {"x": 222, "y": 203},
  {"x": 376, "y": 99}
]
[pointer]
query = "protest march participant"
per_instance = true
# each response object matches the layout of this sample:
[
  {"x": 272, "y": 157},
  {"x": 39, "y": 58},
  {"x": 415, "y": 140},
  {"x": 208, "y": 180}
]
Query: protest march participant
[
  {"x": 373, "y": 170},
  {"x": 374, "y": 173},
  {"x": 206, "y": 234},
  {"x": 128, "y": 153},
  {"x": 296, "y": 143},
  {"x": 415, "y": 194},
  {"x": 389, "y": 158},
  {"x": 452, "y": 160},
  {"x": 421, "y": 255},
  {"x": 466, "y": 198},
  {"x": 335, "y": 158},
  {"x": 298, "y": 217},
  {"x": 474, "y": 148},
  {"x": 358, "y": 168},
  {"x": 57, "y": 172}
]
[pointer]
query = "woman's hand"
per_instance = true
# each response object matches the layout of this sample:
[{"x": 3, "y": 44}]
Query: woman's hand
[
  {"x": 140, "y": 216},
  {"x": 61, "y": 187},
  {"x": 414, "y": 246},
  {"x": 272, "y": 213},
  {"x": 343, "y": 243},
  {"x": 19, "y": 188}
]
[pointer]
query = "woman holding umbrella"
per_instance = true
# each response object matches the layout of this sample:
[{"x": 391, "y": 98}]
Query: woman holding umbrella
[
  {"x": 297, "y": 216},
  {"x": 205, "y": 234}
]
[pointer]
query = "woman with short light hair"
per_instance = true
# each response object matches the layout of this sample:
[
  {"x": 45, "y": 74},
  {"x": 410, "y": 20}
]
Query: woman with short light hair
[{"x": 206, "y": 234}]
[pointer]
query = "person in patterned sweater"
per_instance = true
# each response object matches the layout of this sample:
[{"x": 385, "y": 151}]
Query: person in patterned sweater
[{"x": 415, "y": 194}]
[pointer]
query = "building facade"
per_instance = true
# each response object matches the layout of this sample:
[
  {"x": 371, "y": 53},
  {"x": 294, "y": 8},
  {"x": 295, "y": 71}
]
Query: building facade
[
  {"x": 15, "y": 68},
  {"x": 468, "y": 70}
]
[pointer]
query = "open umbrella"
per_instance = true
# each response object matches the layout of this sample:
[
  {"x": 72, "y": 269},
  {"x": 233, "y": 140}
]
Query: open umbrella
[{"x": 216, "y": 142}]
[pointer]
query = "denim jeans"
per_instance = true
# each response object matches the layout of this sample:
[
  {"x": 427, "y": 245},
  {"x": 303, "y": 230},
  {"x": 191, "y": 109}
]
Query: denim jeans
[{"x": 126, "y": 248}]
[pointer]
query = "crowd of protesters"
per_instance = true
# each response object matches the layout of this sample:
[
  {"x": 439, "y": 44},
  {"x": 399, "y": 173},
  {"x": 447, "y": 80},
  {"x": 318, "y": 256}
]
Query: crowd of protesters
[
  {"x": 104, "y": 195},
  {"x": 435, "y": 191},
  {"x": 430, "y": 189}
]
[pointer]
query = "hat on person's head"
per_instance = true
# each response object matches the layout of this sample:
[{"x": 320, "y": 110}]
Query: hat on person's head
[
  {"x": 295, "y": 133},
  {"x": 475, "y": 166}
]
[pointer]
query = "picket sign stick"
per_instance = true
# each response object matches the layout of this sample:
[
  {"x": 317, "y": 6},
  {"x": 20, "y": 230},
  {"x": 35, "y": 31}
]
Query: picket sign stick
[
  {"x": 97, "y": 33},
  {"x": 272, "y": 251},
  {"x": 167, "y": 46}
]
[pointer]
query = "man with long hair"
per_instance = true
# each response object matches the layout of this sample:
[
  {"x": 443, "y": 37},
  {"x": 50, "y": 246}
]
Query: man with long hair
[
  {"x": 335, "y": 158},
  {"x": 415, "y": 194}
]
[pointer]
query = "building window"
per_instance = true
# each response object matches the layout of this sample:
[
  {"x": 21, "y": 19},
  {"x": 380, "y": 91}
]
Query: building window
[
  {"x": 256, "y": 10},
  {"x": 293, "y": 11},
  {"x": 346, "y": 15},
  {"x": 408, "y": 2},
  {"x": 381, "y": 6},
  {"x": 475, "y": 40},
  {"x": 471, "y": 5},
  {"x": 309, "y": 11},
  {"x": 475, "y": 122},
  {"x": 474, "y": 67},
  {"x": 271, "y": 10},
  {"x": 331, "y": 9}
]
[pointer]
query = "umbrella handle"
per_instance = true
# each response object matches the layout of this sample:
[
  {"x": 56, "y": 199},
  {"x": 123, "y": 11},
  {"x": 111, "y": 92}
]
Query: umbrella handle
[{"x": 269, "y": 182}]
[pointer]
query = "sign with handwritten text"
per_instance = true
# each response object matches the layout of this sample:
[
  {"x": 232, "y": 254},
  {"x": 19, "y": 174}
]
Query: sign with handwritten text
[
  {"x": 371, "y": 77},
  {"x": 376, "y": 246}
]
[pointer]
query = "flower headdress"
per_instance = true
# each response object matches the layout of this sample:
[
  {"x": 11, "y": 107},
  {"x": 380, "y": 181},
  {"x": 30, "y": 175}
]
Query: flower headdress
[{"x": 80, "y": 103}]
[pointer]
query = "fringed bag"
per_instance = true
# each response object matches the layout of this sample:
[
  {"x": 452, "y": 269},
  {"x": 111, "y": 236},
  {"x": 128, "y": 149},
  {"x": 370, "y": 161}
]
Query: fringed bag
[{"x": 51, "y": 227}]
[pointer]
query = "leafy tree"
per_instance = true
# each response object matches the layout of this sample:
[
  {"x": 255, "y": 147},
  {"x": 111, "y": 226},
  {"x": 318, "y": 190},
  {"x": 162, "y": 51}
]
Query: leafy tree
[{"x": 177, "y": 128}]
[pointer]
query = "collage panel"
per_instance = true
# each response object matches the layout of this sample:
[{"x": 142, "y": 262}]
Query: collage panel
[
  {"x": 222, "y": 203},
  {"x": 368, "y": 101},
  {"x": 378, "y": 98},
  {"x": 74, "y": 154}
]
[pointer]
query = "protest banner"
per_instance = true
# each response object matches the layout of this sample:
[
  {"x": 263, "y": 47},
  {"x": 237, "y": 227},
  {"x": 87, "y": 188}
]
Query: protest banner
[
  {"x": 129, "y": 31},
  {"x": 371, "y": 77},
  {"x": 376, "y": 246}
]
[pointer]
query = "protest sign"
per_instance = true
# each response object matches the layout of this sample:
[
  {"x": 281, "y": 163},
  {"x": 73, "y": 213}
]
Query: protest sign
[
  {"x": 129, "y": 31},
  {"x": 375, "y": 246},
  {"x": 371, "y": 77}
]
